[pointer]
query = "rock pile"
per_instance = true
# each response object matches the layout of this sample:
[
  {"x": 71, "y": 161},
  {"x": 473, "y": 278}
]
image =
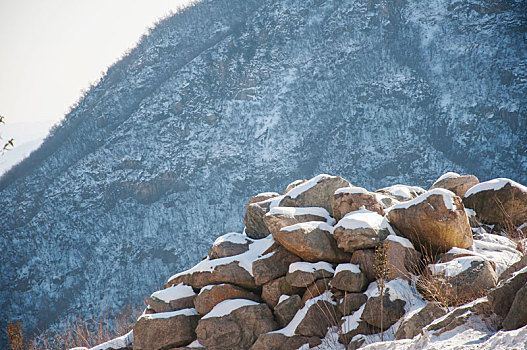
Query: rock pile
[{"x": 308, "y": 265}]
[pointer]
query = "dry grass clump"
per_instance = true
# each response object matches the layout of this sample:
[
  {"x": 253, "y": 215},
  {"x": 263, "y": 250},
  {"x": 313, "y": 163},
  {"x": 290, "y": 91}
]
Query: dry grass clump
[{"x": 75, "y": 333}]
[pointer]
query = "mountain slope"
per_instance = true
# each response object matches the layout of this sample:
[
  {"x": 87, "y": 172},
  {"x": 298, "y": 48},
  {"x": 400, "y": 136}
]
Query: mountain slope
[{"x": 225, "y": 99}]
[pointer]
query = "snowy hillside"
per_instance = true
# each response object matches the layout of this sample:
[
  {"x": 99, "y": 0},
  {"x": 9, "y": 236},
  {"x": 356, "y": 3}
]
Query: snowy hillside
[{"x": 229, "y": 98}]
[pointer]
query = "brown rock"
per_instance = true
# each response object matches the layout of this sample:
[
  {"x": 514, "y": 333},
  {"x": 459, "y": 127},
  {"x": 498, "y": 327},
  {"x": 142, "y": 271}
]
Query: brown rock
[
  {"x": 366, "y": 261},
  {"x": 228, "y": 245},
  {"x": 312, "y": 241},
  {"x": 308, "y": 273},
  {"x": 255, "y": 211},
  {"x": 391, "y": 311},
  {"x": 505, "y": 206},
  {"x": 237, "y": 330},
  {"x": 429, "y": 224},
  {"x": 278, "y": 341},
  {"x": 172, "y": 299},
  {"x": 274, "y": 265},
  {"x": 351, "y": 302},
  {"x": 457, "y": 184},
  {"x": 272, "y": 290},
  {"x": 346, "y": 200},
  {"x": 211, "y": 296},
  {"x": 316, "y": 289},
  {"x": 287, "y": 309},
  {"x": 319, "y": 317},
  {"x": 361, "y": 229},
  {"x": 413, "y": 325},
  {"x": 517, "y": 315},
  {"x": 165, "y": 330},
  {"x": 229, "y": 273},
  {"x": 280, "y": 217},
  {"x": 402, "y": 258},
  {"x": 317, "y": 192},
  {"x": 350, "y": 278}
]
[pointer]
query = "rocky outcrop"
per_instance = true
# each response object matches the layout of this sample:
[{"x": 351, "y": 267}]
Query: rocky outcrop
[
  {"x": 316, "y": 192},
  {"x": 165, "y": 330},
  {"x": 435, "y": 220},
  {"x": 312, "y": 241},
  {"x": 458, "y": 184},
  {"x": 500, "y": 201},
  {"x": 348, "y": 199},
  {"x": 234, "y": 324}
]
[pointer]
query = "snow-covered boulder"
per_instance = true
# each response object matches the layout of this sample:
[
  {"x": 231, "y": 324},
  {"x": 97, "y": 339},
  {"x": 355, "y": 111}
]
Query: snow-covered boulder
[
  {"x": 234, "y": 324},
  {"x": 435, "y": 220},
  {"x": 316, "y": 192},
  {"x": 303, "y": 274},
  {"x": 173, "y": 298},
  {"x": 229, "y": 244},
  {"x": 500, "y": 201},
  {"x": 349, "y": 199},
  {"x": 165, "y": 330},
  {"x": 458, "y": 184},
  {"x": 462, "y": 279},
  {"x": 312, "y": 241},
  {"x": 401, "y": 192},
  {"x": 210, "y": 296},
  {"x": 349, "y": 278},
  {"x": 361, "y": 229},
  {"x": 280, "y": 217}
]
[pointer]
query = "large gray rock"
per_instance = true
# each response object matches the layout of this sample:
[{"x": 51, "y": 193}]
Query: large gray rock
[
  {"x": 434, "y": 221},
  {"x": 413, "y": 325},
  {"x": 238, "y": 329},
  {"x": 211, "y": 296},
  {"x": 316, "y": 192},
  {"x": 165, "y": 330},
  {"x": 458, "y": 184},
  {"x": 499, "y": 201}
]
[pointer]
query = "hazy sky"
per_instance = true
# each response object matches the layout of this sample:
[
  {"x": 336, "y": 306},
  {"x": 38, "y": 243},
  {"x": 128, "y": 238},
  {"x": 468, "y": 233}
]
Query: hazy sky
[{"x": 52, "y": 49}]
